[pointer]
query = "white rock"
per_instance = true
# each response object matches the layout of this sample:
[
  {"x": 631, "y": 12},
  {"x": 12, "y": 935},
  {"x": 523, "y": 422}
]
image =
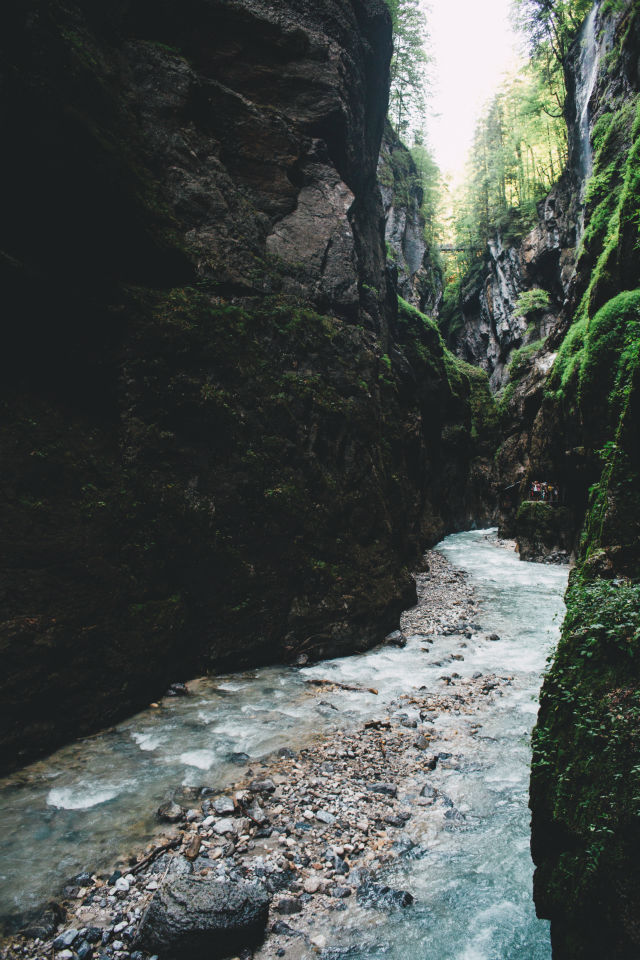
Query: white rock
[
  {"x": 224, "y": 826},
  {"x": 122, "y": 885}
]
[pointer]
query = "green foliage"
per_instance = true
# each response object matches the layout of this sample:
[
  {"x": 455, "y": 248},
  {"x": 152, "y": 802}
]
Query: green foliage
[
  {"x": 518, "y": 153},
  {"x": 409, "y": 65},
  {"x": 550, "y": 27},
  {"x": 611, "y": 352},
  {"x": 521, "y": 359},
  {"x": 530, "y": 301}
]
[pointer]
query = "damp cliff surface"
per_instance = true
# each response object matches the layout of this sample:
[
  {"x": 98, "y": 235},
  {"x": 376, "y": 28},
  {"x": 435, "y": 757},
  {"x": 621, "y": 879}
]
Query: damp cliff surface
[
  {"x": 585, "y": 788},
  {"x": 418, "y": 275},
  {"x": 222, "y": 444},
  {"x": 569, "y": 414}
]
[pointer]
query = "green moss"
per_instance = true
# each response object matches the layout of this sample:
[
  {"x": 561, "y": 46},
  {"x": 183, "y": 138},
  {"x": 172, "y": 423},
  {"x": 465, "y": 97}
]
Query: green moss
[
  {"x": 531, "y": 301},
  {"x": 585, "y": 744},
  {"x": 610, "y": 353},
  {"x": 522, "y": 358}
]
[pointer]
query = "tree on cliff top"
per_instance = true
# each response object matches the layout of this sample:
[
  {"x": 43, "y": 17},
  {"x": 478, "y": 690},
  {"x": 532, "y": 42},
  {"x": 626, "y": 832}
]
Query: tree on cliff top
[
  {"x": 407, "y": 97},
  {"x": 553, "y": 24}
]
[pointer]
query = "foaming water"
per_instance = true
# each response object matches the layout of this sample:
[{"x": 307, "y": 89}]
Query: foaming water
[
  {"x": 471, "y": 876},
  {"x": 94, "y": 801}
]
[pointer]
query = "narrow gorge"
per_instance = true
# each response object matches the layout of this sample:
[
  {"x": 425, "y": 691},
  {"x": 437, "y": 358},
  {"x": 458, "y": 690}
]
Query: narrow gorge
[{"x": 246, "y": 386}]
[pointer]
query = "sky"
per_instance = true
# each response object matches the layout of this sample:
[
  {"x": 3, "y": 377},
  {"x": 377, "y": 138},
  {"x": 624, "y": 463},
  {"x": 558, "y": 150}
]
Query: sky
[{"x": 473, "y": 45}]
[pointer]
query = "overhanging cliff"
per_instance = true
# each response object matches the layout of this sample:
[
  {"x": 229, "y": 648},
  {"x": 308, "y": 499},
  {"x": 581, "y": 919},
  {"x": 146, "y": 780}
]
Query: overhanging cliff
[{"x": 221, "y": 445}]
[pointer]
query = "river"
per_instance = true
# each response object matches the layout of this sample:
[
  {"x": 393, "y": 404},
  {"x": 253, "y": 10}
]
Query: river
[{"x": 94, "y": 801}]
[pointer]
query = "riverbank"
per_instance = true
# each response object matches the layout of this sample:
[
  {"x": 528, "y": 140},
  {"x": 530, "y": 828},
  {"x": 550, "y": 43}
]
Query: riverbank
[{"x": 319, "y": 831}]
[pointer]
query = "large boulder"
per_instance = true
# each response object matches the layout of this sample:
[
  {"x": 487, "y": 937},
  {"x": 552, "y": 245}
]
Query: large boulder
[{"x": 196, "y": 917}]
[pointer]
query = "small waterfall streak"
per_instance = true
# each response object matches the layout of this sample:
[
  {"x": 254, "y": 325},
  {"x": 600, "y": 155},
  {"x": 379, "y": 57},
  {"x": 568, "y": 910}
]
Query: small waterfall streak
[{"x": 589, "y": 62}]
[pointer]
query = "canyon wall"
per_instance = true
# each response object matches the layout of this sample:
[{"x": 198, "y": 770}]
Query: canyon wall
[
  {"x": 585, "y": 784},
  {"x": 221, "y": 443},
  {"x": 569, "y": 413}
]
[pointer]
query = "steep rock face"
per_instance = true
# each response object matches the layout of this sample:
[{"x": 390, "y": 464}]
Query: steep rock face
[
  {"x": 585, "y": 787},
  {"x": 490, "y": 328},
  {"x": 222, "y": 447},
  {"x": 418, "y": 277}
]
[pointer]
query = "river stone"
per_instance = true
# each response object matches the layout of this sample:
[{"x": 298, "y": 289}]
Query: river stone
[
  {"x": 223, "y": 805},
  {"x": 170, "y": 812},
  {"x": 197, "y": 917}
]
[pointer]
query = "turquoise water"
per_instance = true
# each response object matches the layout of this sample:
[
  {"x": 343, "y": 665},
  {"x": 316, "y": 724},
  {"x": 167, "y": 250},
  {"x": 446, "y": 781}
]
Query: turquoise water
[{"x": 94, "y": 801}]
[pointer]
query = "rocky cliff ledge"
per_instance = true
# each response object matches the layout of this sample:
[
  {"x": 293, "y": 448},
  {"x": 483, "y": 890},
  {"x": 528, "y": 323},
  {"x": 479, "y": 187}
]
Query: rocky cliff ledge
[{"x": 221, "y": 445}]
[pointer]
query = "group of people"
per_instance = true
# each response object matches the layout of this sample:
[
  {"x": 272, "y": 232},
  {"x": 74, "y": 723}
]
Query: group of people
[{"x": 541, "y": 490}]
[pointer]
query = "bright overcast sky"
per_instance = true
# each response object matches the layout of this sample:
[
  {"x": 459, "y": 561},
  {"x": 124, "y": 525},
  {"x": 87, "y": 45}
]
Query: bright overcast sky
[{"x": 473, "y": 45}]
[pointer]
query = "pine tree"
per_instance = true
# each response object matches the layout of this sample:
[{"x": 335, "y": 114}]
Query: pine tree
[{"x": 409, "y": 81}]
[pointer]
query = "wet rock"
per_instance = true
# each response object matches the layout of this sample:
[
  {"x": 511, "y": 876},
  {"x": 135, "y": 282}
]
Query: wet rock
[
  {"x": 454, "y": 815},
  {"x": 177, "y": 690},
  {"x": 340, "y": 893},
  {"x": 236, "y": 757},
  {"x": 337, "y": 864},
  {"x": 262, "y": 786},
  {"x": 47, "y": 923},
  {"x": 289, "y": 906},
  {"x": 428, "y": 791},
  {"x": 92, "y": 934},
  {"x": 493, "y": 636},
  {"x": 387, "y": 789},
  {"x": 170, "y": 812},
  {"x": 380, "y": 895},
  {"x": 396, "y": 639},
  {"x": 281, "y": 928},
  {"x": 421, "y": 743},
  {"x": 287, "y": 753},
  {"x": 397, "y": 819},
  {"x": 223, "y": 806},
  {"x": 65, "y": 939},
  {"x": 84, "y": 951},
  {"x": 202, "y": 918}
]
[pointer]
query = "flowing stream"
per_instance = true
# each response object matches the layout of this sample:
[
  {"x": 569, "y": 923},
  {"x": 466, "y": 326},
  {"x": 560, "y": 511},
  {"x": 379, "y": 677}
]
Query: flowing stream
[{"x": 94, "y": 801}]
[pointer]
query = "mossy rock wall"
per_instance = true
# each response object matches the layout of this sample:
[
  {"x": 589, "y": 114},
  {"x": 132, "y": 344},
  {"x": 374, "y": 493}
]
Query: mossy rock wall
[
  {"x": 585, "y": 790},
  {"x": 221, "y": 445},
  {"x": 544, "y": 531}
]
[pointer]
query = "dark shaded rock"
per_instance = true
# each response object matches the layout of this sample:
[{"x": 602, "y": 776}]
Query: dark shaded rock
[
  {"x": 198, "y": 917},
  {"x": 388, "y": 789},
  {"x": 170, "y": 812},
  {"x": 380, "y": 895},
  {"x": 65, "y": 939},
  {"x": 396, "y": 639},
  {"x": 262, "y": 786},
  {"x": 245, "y": 393},
  {"x": 288, "y": 906},
  {"x": 47, "y": 922}
]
